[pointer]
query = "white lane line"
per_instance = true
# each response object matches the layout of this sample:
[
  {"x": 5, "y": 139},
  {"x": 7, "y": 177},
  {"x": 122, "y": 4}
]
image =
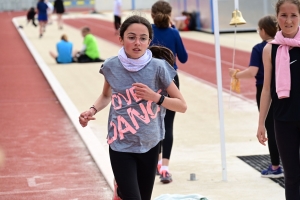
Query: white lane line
[
  {"x": 213, "y": 59},
  {"x": 97, "y": 25},
  {"x": 99, "y": 154},
  {"x": 190, "y": 52}
]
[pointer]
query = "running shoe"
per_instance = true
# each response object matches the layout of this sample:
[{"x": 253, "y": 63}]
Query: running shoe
[
  {"x": 165, "y": 177},
  {"x": 158, "y": 169},
  {"x": 270, "y": 173}
]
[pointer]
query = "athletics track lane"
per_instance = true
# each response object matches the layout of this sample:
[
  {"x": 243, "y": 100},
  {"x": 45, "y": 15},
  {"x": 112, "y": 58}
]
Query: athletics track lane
[
  {"x": 45, "y": 157},
  {"x": 201, "y": 61}
]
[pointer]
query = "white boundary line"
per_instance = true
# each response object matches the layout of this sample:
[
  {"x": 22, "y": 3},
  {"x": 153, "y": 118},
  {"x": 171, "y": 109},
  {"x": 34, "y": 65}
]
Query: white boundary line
[{"x": 96, "y": 149}]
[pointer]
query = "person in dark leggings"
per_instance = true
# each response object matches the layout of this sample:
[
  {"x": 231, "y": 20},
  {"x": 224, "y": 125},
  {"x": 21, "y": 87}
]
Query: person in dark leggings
[
  {"x": 281, "y": 59},
  {"x": 267, "y": 28},
  {"x": 117, "y": 14},
  {"x": 31, "y": 16},
  {"x": 136, "y": 85},
  {"x": 165, "y": 34}
]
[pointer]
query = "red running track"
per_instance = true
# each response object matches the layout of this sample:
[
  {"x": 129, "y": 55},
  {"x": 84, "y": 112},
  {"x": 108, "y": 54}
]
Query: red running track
[
  {"x": 45, "y": 157},
  {"x": 201, "y": 61}
]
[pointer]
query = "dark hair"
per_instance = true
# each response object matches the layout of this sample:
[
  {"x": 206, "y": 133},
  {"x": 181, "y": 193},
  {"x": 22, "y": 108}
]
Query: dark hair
[
  {"x": 64, "y": 37},
  {"x": 161, "y": 12},
  {"x": 280, "y": 2},
  {"x": 162, "y": 52},
  {"x": 136, "y": 19},
  {"x": 85, "y": 29},
  {"x": 269, "y": 24}
]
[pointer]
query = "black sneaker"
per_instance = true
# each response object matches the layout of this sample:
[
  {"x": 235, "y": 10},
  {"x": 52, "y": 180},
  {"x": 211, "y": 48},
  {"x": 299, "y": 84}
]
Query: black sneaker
[{"x": 165, "y": 177}]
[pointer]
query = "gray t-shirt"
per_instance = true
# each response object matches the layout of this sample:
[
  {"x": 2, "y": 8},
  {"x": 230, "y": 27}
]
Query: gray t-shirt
[{"x": 136, "y": 125}]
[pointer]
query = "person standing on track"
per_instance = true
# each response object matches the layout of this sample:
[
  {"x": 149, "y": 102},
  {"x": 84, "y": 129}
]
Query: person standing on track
[
  {"x": 117, "y": 14},
  {"x": 267, "y": 28},
  {"x": 137, "y": 85},
  {"x": 281, "y": 58},
  {"x": 59, "y": 9},
  {"x": 165, "y": 34},
  {"x": 42, "y": 16}
]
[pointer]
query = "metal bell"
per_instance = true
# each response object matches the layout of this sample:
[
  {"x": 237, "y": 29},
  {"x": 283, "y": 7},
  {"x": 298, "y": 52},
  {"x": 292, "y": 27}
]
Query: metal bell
[{"x": 237, "y": 18}]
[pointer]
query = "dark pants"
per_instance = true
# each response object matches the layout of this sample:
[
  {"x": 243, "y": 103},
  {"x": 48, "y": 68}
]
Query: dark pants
[
  {"x": 269, "y": 124},
  {"x": 135, "y": 173},
  {"x": 33, "y": 21},
  {"x": 167, "y": 143},
  {"x": 117, "y": 22},
  {"x": 288, "y": 140},
  {"x": 83, "y": 58}
]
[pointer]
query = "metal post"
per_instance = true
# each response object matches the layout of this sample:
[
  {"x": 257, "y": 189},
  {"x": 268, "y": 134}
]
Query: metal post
[
  {"x": 236, "y": 4},
  {"x": 220, "y": 88},
  {"x": 133, "y": 4}
]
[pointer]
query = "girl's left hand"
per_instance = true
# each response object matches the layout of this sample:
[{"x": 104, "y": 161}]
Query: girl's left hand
[
  {"x": 231, "y": 71},
  {"x": 142, "y": 91}
]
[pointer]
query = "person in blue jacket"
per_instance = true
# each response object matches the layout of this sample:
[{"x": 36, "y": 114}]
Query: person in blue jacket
[
  {"x": 64, "y": 50},
  {"x": 42, "y": 8},
  {"x": 165, "y": 34}
]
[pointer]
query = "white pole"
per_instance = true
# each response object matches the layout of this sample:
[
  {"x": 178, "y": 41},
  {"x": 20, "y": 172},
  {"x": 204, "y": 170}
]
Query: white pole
[
  {"x": 220, "y": 88},
  {"x": 236, "y": 4}
]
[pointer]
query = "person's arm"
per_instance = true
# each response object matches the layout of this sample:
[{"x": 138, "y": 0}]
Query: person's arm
[
  {"x": 175, "y": 102},
  {"x": 180, "y": 50},
  {"x": 83, "y": 49},
  {"x": 250, "y": 72},
  {"x": 102, "y": 101},
  {"x": 265, "y": 99}
]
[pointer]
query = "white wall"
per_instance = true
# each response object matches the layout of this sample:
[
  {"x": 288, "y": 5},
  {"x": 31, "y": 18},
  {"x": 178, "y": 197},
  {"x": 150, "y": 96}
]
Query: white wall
[{"x": 107, "y": 5}]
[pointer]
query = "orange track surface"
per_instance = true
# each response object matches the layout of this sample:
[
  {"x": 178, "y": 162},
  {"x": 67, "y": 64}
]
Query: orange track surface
[{"x": 45, "y": 157}]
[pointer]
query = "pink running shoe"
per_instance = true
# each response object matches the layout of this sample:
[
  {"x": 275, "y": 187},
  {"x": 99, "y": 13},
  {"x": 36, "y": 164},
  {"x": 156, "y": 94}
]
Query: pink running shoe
[
  {"x": 158, "y": 169},
  {"x": 116, "y": 197}
]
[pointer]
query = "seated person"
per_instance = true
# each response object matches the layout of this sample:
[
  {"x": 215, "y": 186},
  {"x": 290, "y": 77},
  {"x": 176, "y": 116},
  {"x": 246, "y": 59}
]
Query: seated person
[
  {"x": 64, "y": 50},
  {"x": 90, "y": 51},
  {"x": 186, "y": 22}
]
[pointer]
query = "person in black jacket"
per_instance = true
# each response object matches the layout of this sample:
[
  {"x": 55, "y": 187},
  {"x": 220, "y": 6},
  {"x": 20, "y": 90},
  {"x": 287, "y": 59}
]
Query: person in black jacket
[
  {"x": 59, "y": 9},
  {"x": 30, "y": 16}
]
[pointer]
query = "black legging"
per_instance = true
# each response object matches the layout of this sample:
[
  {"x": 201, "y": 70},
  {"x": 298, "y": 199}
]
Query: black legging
[
  {"x": 135, "y": 173},
  {"x": 117, "y": 22},
  {"x": 167, "y": 143},
  {"x": 288, "y": 140},
  {"x": 269, "y": 124}
]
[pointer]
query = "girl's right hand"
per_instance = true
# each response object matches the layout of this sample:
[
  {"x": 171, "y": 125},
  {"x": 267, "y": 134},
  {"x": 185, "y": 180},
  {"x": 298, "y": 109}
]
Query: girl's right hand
[
  {"x": 85, "y": 117},
  {"x": 261, "y": 135}
]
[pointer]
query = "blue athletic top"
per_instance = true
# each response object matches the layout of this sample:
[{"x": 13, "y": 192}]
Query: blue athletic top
[
  {"x": 256, "y": 61},
  {"x": 64, "y": 50},
  {"x": 42, "y": 11},
  {"x": 170, "y": 38}
]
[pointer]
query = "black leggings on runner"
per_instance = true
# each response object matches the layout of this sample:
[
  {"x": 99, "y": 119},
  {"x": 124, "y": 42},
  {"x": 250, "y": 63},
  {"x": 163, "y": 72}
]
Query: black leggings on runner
[
  {"x": 288, "y": 140},
  {"x": 167, "y": 143},
  {"x": 135, "y": 173},
  {"x": 117, "y": 22},
  {"x": 269, "y": 124}
]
